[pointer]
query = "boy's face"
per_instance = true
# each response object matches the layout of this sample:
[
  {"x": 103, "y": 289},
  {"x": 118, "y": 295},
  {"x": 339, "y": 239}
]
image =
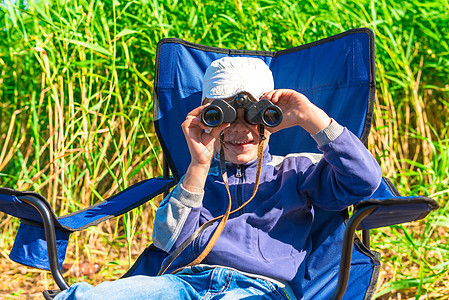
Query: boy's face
[{"x": 241, "y": 140}]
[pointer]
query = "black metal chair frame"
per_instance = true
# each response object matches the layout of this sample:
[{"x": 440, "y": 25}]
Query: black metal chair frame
[{"x": 365, "y": 210}]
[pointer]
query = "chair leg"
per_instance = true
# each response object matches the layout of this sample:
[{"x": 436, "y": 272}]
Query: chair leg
[
  {"x": 346, "y": 250},
  {"x": 366, "y": 238}
]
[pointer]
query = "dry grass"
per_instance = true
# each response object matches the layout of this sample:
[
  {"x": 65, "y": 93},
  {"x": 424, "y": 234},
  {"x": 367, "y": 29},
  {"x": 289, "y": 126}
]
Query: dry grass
[{"x": 76, "y": 123}]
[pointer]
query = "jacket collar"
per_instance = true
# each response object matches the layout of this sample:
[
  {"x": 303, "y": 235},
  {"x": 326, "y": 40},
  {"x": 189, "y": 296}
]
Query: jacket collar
[{"x": 252, "y": 164}]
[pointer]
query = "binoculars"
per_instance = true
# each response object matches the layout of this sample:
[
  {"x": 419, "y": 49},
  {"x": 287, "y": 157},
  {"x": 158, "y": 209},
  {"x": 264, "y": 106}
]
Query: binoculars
[{"x": 256, "y": 112}]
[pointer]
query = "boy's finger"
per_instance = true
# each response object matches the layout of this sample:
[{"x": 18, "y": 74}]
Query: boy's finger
[
  {"x": 275, "y": 95},
  {"x": 216, "y": 130},
  {"x": 197, "y": 111},
  {"x": 268, "y": 95}
]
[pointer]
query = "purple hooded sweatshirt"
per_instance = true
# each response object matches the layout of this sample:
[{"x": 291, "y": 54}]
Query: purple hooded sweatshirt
[{"x": 269, "y": 236}]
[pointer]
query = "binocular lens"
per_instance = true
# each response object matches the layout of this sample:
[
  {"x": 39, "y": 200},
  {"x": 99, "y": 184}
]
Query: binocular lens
[
  {"x": 260, "y": 112},
  {"x": 212, "y": 117},
  {"x": 272, "y": 117}
]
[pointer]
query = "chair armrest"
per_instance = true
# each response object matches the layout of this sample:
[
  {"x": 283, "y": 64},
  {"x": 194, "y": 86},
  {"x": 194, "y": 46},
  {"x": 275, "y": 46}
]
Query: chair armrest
[
  {"x": 11, "y": 202},
  {"x": 126, "y": 200},
  {"x": 50, "y": 235},
  {"x": 375, "y": 213},
  {"x": 45, "y": 246},
  {"x": 397, "y": 210}
]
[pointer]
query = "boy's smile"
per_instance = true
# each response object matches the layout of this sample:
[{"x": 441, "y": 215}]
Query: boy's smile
[{"x": 241, "y": 140}]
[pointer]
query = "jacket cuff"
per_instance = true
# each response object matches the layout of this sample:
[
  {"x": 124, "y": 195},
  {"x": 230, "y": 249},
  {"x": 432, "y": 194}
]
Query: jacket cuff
[
  {"x": 328, "y": 134},
  {"x": 186, "y": 197}
]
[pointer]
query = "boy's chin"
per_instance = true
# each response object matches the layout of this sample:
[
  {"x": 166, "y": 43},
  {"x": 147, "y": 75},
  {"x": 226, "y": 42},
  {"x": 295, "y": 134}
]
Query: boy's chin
[{"x": 242, "y": 159}]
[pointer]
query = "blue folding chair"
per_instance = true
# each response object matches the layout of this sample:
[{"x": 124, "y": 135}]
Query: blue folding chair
[{"x": 336, "y": 73}]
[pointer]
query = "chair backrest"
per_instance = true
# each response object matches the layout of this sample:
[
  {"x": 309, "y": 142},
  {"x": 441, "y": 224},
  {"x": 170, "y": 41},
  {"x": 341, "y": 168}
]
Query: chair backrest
[{"x": 337, "y": 74}]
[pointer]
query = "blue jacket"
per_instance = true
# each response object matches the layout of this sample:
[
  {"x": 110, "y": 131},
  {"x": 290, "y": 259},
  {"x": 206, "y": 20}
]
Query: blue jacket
[{"x": 270, "y": 235}]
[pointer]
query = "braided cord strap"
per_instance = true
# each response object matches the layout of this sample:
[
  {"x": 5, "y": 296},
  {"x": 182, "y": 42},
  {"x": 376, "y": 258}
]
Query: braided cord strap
[{"x": 223, "y": 217}]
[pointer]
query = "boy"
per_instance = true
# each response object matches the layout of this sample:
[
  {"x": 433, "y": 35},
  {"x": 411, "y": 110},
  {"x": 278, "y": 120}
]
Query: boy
[{"x": 261, "y": 250}]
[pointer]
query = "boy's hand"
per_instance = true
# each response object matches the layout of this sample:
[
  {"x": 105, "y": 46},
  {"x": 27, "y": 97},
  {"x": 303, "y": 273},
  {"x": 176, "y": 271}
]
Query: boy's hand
[
  {"x": 297, "y": 110},
  {"x": 201, "y": 148},
  {"x": 201, "y": 144}
]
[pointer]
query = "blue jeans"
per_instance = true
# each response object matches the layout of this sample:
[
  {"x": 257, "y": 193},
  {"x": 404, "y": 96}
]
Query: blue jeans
[{"x": 211, "y": 283}]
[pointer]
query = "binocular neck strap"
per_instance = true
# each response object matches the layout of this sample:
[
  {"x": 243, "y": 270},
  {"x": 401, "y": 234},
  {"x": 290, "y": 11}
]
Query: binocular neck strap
[{"x": 225, "y": 216}]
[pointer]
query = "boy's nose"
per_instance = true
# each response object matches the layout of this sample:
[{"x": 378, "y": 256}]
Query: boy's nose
[{"x": 239, "y": 121}]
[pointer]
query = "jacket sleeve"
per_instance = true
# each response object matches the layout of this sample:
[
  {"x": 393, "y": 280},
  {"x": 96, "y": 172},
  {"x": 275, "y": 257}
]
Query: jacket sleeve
[
  {"x": 176, "y": 216},
  {"x": 346, "y": 174}
]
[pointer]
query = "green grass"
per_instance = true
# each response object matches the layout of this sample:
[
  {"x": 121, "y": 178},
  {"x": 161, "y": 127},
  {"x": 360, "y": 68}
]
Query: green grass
[{"x": 76, "y": 124}]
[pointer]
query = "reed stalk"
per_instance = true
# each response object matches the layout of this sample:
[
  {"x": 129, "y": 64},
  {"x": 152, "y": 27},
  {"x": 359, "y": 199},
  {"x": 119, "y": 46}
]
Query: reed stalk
[{"x": 76, "y": 124}]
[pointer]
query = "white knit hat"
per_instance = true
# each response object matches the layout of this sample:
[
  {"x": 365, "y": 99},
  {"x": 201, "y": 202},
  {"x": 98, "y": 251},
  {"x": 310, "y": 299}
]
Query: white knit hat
[{"x": 229, "y": 76}]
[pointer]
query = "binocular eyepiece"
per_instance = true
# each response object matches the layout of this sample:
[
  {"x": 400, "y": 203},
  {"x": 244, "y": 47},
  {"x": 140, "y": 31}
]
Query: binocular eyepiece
[{"x": 260, "y": 112}]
